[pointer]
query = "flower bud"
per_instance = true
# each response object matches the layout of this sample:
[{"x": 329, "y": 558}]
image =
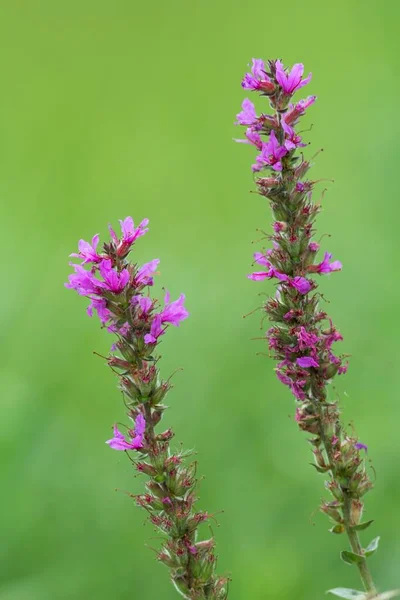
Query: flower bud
[{"x": 331, "y": 509}]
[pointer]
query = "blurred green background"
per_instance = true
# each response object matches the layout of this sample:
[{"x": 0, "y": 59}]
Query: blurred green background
[{"x": 117, "y": 108}]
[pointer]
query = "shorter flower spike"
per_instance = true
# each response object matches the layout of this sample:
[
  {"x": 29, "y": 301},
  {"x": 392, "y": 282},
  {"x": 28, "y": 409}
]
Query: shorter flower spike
[{"x": 119, "y": 292}]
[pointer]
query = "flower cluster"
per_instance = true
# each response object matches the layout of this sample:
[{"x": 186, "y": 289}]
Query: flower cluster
[
  {"x": 118, "y": 291},
  {"x": 302, "y": 336}
]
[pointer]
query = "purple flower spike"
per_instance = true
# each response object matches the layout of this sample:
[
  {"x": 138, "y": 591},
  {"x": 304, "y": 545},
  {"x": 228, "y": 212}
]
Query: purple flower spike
[
  {"x": 307, "y": 361},
  {"x": 293, "y": 81}
]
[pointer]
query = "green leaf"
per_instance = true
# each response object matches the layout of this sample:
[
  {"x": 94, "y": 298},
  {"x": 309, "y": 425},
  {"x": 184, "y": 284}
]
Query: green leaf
[
  {"x": 362, "y": 526},
  {"x": 350, "y": 557},
  {"x": 372, "y": 547},
  {"x": 339, "y": 528},
  {"x": 320, "y": 469},
  {"x": 348, "y": 594}
]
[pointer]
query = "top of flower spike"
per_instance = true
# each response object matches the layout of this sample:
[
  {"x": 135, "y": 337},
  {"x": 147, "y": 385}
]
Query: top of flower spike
[
  {"x": 258, "y": 78},
  {"x": 293, "y": 81},
  {"x": 130, "y": 234}
]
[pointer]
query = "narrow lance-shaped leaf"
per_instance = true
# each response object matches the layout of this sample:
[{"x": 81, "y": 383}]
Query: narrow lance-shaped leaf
[
  {"x": 372, "y": 547},
  {"x": 347, "y": 593}
]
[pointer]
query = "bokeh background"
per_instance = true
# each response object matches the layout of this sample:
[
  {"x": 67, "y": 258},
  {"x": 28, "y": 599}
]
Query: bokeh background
[{"x": 116, "y": 108}]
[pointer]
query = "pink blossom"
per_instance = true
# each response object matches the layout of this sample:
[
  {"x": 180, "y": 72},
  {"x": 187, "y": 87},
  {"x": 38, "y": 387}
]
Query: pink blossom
[
  {"x": 252, "y": 138},
  {"x": 100, "y": 306},
  {"x": 299, "y": 109},
  {"x": 248, "y": 115},
  {"x": 82, "y": 281},
  {"x": 88, "y": 251},
  {"x": 307, "y": 361},
  {"x": 306, "y": 339},
  {"x": 301, "y": 284},
  {"x": 292, "y": 81},
  {"x": 313, "y": 246},
  {"x": 118, "y": 442},
  {"x": 156, "y": 330},
  {"x": 144, "y": 274},
  {"x": 145, "y": 303},
  {"x": 257, "y": 80},
  {"x": 129, "y": 233},
  {"x": 326, "y": 267},
  {"x": 270, "y": 155},
  {"x": 113, "y": 280},
  {"x": 172, "y": 313},
  {"x": 292, "y": 140},
  {"x": 360, "y": 446}
]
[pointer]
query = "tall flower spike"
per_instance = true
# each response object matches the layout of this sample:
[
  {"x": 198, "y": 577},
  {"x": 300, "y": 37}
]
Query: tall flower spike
[
  {"x": 302, "y": 334},
  {"x": 118, "y": 292}
]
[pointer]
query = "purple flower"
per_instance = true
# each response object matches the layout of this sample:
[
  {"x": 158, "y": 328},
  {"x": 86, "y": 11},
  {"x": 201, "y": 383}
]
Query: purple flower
[
  {"x": 156, "y": 330},
  {"x": 257, "y": 79},
  {"x": 292, "y": 140},
  {"x": 271, "y": 154},
  {"x": 173, "y": 313},
  {"x": 252, "y": 138},
  {"x": 83, "y": 282},
  {"x": 307, "y": 361},
  {"x": 299, "y": 109},
  {"x": 301, "y": 284},
  {"x": 306, "y": 339},
  {"x": 248, "y": 115},
  {"x": 360, "y": 446},
  {"x": 293, "y": 81},
  {"x": 313, "y": 246},
  {"x": 325, "y": 266},
  {"x": 88, "y": 251},
  {"x": 144, "y": 274},
  {"x": 100, "y": 306},
  {"x": 118, "y": 442},
  {"x": 144, "y": 302},
  {"x": 113, "y": 280},
  {"x": 129, "y": 233}
]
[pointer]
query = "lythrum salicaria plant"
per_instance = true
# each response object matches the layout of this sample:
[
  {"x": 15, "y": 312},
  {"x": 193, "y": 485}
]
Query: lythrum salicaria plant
[
  {"x": 119, "y": 293},
  {"x": 303, "y": 336}
]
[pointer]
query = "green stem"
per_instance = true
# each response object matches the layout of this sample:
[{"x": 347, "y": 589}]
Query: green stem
[
  {"x": 352, "y": 534},
  {"x": 354, "y": 540}
]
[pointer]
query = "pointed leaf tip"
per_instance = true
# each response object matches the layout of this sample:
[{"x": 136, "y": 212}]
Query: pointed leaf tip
[
  {"x": 362, "y": 526},
  {"x": 348, "y": 594},
  {"x": 372, "y": 547}
]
